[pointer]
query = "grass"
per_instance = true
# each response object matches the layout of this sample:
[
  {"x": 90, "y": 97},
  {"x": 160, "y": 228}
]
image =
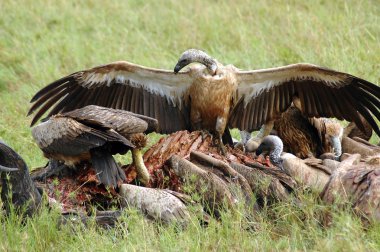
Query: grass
[{"x": 42, "y": 41}]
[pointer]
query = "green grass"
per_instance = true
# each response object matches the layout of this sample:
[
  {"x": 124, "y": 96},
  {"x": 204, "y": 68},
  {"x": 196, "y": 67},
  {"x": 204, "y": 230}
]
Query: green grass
[{"x": 41, "y": 41}]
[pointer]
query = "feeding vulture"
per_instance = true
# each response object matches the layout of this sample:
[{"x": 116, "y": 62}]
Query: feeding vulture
[
  {"x": 211, "y": 96},
  {"x": 304, "y": 137},
  {"x": 273, "y": 146},
  {"x": 94, "y": 134}
]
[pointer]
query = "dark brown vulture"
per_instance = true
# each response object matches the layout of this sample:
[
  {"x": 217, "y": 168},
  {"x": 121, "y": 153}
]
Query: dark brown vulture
[
  {"x": 307, "y": 137},
  {"x": 211, "y": 96},
  {"x": 94, "y": 134}
]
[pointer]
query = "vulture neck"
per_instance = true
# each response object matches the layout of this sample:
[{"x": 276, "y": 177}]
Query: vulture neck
[
  {"x": 195, "y": 55},
  {"x": 273, "y": 145},
  {"x": 337, "y": 146},
  {"x": 275, "y": 154}
]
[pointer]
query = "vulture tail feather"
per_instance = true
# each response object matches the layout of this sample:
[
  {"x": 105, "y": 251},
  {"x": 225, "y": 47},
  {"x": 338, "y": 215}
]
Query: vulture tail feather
[{"x": 106, "y": 168}]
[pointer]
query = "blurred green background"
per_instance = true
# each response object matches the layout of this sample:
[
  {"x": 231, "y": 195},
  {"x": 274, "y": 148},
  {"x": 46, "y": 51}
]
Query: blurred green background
[{"x": 41, "y": 41}]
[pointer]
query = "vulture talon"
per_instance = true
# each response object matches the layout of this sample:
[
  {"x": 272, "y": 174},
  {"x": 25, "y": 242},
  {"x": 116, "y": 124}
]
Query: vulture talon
[{"x": 222, "y": 149}]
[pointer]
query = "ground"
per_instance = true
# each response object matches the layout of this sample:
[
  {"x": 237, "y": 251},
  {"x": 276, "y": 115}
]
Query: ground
[{"x": 42, "y": 41}]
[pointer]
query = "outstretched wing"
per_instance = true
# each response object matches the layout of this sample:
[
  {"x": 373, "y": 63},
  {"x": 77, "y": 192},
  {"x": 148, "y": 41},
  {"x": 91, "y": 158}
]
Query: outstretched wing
[
  {"x": 121, "y": 85},
  {"x": 263, "y": 95}
]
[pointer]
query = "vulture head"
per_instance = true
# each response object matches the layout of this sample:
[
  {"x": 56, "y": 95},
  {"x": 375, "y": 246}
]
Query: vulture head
[
  {"x": 273, "y": 146},
  {"x": 17, "y": 188},
  {"x": 335, "y": 131},
  {"x": 213, "y": 97},
  {"x": 195, "y": 55}
]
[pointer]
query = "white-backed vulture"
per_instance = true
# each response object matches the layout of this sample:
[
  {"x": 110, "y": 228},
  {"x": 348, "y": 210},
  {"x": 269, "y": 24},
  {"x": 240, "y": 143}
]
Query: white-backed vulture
[
  {"x": 309, "y": 172},
  {"x": 211, "y": 96},
  {"x": 94, "y": 134},
  {"x": 273, "y": 147}
]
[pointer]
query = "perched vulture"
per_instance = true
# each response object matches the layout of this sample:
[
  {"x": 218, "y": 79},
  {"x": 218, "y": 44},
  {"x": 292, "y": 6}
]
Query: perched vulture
[
  {"x": 308, "y": 137},
  {"x": 211, "y": 96},
  {"x": 94, "y": 134}
]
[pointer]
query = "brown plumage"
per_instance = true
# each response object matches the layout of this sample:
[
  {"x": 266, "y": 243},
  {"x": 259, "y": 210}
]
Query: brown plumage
[
  {"x": 307, "y": 137},
  {"x": 93, "y": 134},
  {"x": 212, "y": 96},
  {"x": 297, "y": 133},
  {"x": 356, "y": 185},
  {"x": 352, "y": 130}
]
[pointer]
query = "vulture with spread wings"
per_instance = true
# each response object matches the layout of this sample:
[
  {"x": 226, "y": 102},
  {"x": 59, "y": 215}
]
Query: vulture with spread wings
[{"x": 211, "y": 96}]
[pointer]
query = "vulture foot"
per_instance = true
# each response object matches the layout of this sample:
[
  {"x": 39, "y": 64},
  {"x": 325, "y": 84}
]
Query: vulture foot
[
  {"x": 239, "y": 146},
  {"x": 222, "y": 149},
  {"x": 219, "y": 143},
  {"x": 54, "y": 168}
]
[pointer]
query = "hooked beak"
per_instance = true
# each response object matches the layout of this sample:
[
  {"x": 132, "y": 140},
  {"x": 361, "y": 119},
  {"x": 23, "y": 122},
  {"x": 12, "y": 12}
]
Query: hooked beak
[
  {"x": 177, "y": 68},
  {"x": 259, "y": 151},
  {"x": 7, "y": 169}
]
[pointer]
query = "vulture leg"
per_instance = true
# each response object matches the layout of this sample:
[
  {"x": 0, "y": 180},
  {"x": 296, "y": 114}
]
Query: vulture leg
[
  {"x": 106, "y": 168},
  {"x": 220, "y": 128},
  {"x": 219, "y": 142},
  {"x": 17, "y": 186},
  {"x": 54, "y": 167},
  {"x": 244, "y": 136},
  {"x": 139, "y": 140},
  {"x": 142, "y": 171},
  {"x": 227, "y": 138},
  {"x": 253, "y": 143}
]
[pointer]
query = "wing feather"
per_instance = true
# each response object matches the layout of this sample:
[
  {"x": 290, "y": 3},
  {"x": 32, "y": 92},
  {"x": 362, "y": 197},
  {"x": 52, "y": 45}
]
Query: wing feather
[
  {"x": 48, "y": 95},
  {"x": 66, "y": 101},
  {"x": 322, "y": 93},
  {"x": 263, "y": 107},
  {"x": 255, "y": 110},
  {"x": 122, "y": 85},
  {"x": 246, "y": 119},
  {"x": 76, "y": 135},
  {"x": 123, "y": 122}
]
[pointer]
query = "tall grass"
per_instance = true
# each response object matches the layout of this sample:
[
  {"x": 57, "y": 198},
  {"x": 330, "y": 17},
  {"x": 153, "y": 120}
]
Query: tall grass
[{"x": 41, "y": 41}]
